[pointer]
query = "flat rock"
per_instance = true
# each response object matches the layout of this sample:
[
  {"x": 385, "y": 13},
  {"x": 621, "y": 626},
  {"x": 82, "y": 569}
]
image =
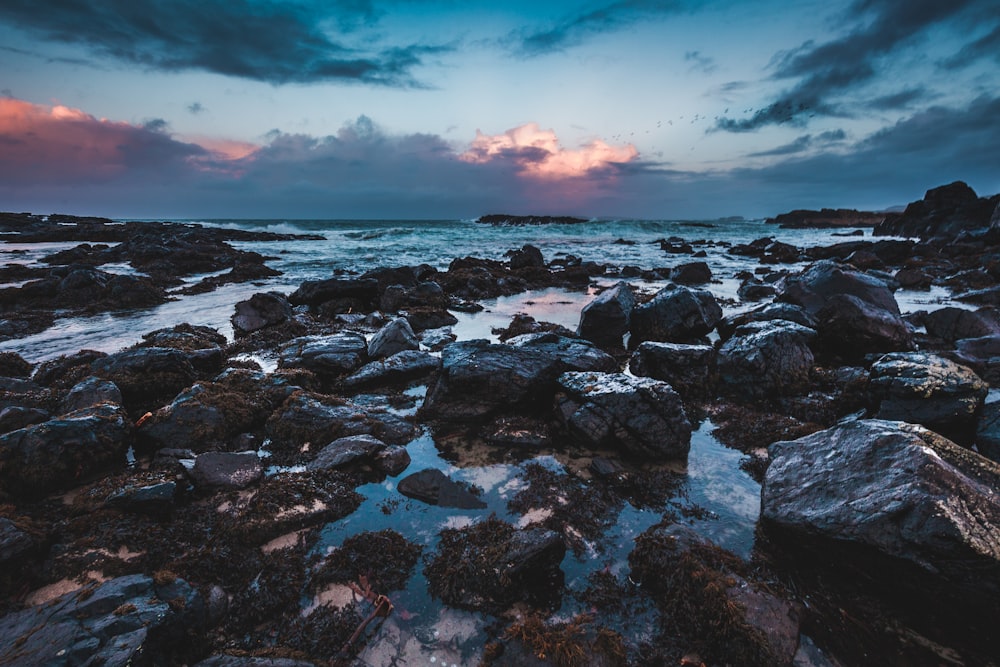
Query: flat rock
[
  {"x": 399, "y": 368},
  {"x": 226, "y": 470},
  {"x": 327, "y": 356},
  {"x": 435, "y": 488}
]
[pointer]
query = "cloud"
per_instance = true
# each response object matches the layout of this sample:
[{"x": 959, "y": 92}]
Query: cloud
[
  {"x": 899, "y": 100},
  {"x": 60, "y": 145},
  {"x": 270, "y": 41},
  {"x": 700, "y": 62},
  {"x": 825, "y": 71},
  {"x": 537, "y": 153},
  {"x": 195, "y": 108},
  {"x": 574, "y": 29},
  {"x": 986, "y": 47},
  {"x": 804, "y": 143}
]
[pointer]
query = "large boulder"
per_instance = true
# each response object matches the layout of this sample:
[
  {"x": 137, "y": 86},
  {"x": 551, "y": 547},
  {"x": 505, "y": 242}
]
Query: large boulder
[
  {"x": 605, "y": 320},
  {"x": 952, "y": 324},
  {"x": 314, "y": 293},
  {"x": 897, "y": 488},
  {"x": 479, "y": 380},
  {"x": 765, "y": 359},
  {"x": 394, "y": 337},
  {"x": 640, "y": 416},
  {"x": 771, "y": 311},
  {"x": 692, "y": 273},
  {"x": 146, "y": 376},
  {"x": 122, "y": 621},
  {"x": 689, "y": 369},
  {"x": 826, "y": 279},
  {"x": 675, "y": 314},
  {"x": 850, "y": 328},
  {"x": 326, "y": 356},
  {"x": 89, "y": 392},
  {"x": 425, "y": 295},
  {"x": 982, "y": 355},
  {"x": 262, "y": 310},
  {"x": 928, "y": 389},
  {"x": 57, "y": 453},
  {"x": 944, "y": 211}
]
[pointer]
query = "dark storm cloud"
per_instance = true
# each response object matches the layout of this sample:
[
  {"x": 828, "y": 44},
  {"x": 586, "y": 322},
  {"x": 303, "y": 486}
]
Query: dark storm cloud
[
  {"x": 901, "y": 100},
  {"x": 574, "y": 29},
  {"x": 827, "y": 70},
  {"x": 986, "y": 47},
  {"x": 804, "y": 143},
  {"x": 275, "y": 42}
]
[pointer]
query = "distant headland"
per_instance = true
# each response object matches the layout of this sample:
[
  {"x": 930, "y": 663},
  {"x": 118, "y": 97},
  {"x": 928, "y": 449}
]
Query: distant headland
[{"x": 504, "y": 220}]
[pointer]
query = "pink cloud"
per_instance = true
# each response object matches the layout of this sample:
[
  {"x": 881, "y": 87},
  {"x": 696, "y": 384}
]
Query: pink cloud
[
  {"x": 537, "y": 153},
  {"x": 58, "y": 144}
]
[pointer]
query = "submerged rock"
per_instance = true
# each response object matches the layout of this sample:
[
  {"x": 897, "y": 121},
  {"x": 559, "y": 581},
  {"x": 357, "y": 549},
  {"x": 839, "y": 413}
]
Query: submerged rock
[
  {"x": 641, "y": 416},
  {"x": 897, "y": 488}
]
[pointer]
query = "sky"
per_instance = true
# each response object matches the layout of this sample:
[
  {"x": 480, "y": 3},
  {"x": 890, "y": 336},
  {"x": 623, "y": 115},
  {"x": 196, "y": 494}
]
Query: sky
[{"x": 374, "y": 109}]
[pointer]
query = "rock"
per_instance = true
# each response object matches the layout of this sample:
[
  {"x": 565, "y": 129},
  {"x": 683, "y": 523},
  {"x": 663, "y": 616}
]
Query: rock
[
  {"x": 850, "y": 328},
  {"x": 944, "y": 212},
  {"x": 640, "y": 416},
  {"x": 988, "y": 432},
  {"x": 913, "y": 279},
  {"x": 421, "y": 319},
  {"x": 90, "y": 392},
  {"x": 13, "y": 365},
  {"x": 394, "y": 337},
  {"x": 326, "y": 356},
  {"x": 119, "y": 622},
  {"x": 825, "y": 279},
  {"x": 689, "y": 369},
  {"x": 435, "y": 488},
  {"x": 765, "y": 359},
  {"x": 262, "y": 310},
  {"x": 522, "y": 324},
  {"x": 479, "y": 380},
  {"x": 982, "y": 355},
  {"x": 528, "y": 257},
  {"x": 491, "y": 565},
  {"x": 692, "y": 273},
  {"x": 146, "y": 376},
  {"x": 755, "y": 290},
  {"x": 675, "y": 315},
  {"x": 928, "y": 389},
  {"x": 14, "y": 543},
  {"x": 772, "y": 311},
  {"x": 55, "y": 454},
  {"x": 425, "y": 295},
  {"x": 314, "y": 293},
  {"x": 605, "y": 320},
  {"x": 239, "y": 661},
  {"x": 952, "y": 324},
  {"x": 344, "y": 451},
  {"x": 893, "y": 487},
  {"x": 393, "y": 460},
  {"x": 400, "y": 368},
  {"x": 226, "y": 470},
  {"x": 435, "y": 339},
  {"x": 14, "y": 417},
  {"x": 154, "y": 499}
]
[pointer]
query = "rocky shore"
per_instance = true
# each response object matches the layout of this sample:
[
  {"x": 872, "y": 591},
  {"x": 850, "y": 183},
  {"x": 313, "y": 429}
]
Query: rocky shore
[{"x": 164, "y": 504}]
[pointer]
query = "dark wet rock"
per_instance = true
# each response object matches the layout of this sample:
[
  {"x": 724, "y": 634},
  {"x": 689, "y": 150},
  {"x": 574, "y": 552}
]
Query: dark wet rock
[
  {"x": 479, "y": 380},
  {"x": 815, "y": 286},
  {"x": 913, "y": 279},
  {"x": 65, "y": 371},
  {"x": 13, "y": 365},
  {"x": 928, "y": 389},
  {"x": 436, "y": 339},
  {"x": 345, "y": 451},
  {"x": 772, "y": 311},
  {"x": 988, "y": 432},
  {"x": 421, "y": 319},
  {"x": 982, "y": 355},
  {"x": 328, "y": 357},
  {"x": 765, "y": 359},
  {"x": 606, "y": 319},
  {"x": 689, "y": 369},
  {"x": 57, "y": 453},
  {"x": 262, "y": 310},
  {"x": 826, "y": 218},
  {"x": 120, "y": 622},
  {"x": 692, "y": 273},
  {"x": 154, "y": 499},
  {"x": 505, "y": 220},
  {"x": 394, "y": 337},
  {"x": 945, "y": 212},
  {"x": 675, "y": 314},
  {"x": 393, "y": 460},
  {"x": 522, "y": 324},
  {"x": 712, "y": 604},
  {"x": 640, "y": 416},
  {"x": 14, "y": 417},
  {"x": 435, "y": 488},
  {"x": 244, "y": 661},
  {"x": 89, "y": 392},
  {"x": 304, "y": 420},
  {"x": 14, "y": 542},
  {"x": 427, "y": 295},
  {"x": 897, "y": 488},
  {"x": 146, "y": 376},
  {"x": 491, "y": 565},
  {"x": 988, "y": 296},
  {"x": 850, "y": 328},
  {"x": 314, "y": 293},
  {"x": 952, "y": 324},
  {"x": 399, "y": 368},
  {"x": 527, "y": 257},
  {"x": 755, "y": 290},
  {"x": 226, "y": 470}
]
